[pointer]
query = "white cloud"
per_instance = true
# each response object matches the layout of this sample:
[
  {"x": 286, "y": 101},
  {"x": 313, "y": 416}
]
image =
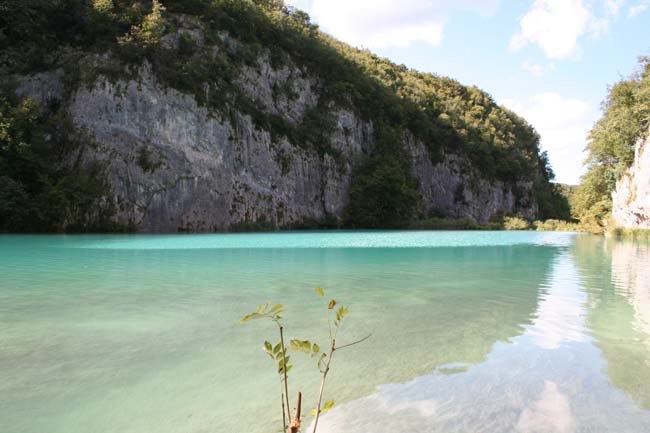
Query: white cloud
[
  {"x": 537, "y": 70},
  {"x": 551, "y": 413},
  {"x": 390, "y": 23},
  {"x": 563, "y": 124},
  {"x": 556, "y": 26},
  {"x": 638, "y": 8},
  {"x": 613, "y": 6}
]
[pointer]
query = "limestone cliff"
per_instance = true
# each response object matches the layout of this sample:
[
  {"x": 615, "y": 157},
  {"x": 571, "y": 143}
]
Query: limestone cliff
[
  {"x": 174, "y": 165},
  {"x": 631, "y": 199},
  {"x": 214, "y": 128}
]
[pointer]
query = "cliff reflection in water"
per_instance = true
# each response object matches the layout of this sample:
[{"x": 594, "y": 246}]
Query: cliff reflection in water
[
  {"x": 581, "y": 364},
  {"x": 619, "y": 293}
]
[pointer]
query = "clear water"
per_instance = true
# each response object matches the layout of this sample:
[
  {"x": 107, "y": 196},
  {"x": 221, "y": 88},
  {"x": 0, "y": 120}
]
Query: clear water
[{"x": 471, "y": 332}]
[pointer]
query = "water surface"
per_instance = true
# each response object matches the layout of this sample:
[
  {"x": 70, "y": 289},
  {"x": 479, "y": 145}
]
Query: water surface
[{"x": 471, "y": 331}]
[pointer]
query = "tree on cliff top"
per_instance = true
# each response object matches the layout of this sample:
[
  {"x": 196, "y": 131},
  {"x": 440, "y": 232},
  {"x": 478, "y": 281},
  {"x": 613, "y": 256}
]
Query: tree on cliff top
[{"x": 610, "y": 149}]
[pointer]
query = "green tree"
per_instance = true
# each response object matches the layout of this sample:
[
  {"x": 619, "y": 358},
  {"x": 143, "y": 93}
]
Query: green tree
[
  {"x": 610, "y": 149},
  {"x": 383, "y": 194},
  {"x": 40, "y": 188},
  {"x": 147, "y": 34}
]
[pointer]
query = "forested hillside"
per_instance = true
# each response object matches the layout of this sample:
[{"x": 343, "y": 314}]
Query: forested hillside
[
  {"x": 625, "y": 120},
  {"x": 48, "y": 183}
]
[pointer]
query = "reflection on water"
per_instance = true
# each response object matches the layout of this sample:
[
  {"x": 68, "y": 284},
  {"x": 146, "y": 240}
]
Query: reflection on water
[
  {"x": 551, "y": 413},
  {"x": 619, "y": 292},
  {"x": 560, "y": 314},
  {"x": 631, "y": 276},
  {"x": 551, "y": 379},
  {"x": 472, "y": 332}
]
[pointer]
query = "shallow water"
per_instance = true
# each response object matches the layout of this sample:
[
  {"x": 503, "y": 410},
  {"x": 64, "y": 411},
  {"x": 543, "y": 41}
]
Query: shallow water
[{"x": 471, "y": 332}]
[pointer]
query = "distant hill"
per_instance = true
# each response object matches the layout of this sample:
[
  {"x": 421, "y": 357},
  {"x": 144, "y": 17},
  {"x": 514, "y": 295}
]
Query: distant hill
[{"x": 209, "y": 115}]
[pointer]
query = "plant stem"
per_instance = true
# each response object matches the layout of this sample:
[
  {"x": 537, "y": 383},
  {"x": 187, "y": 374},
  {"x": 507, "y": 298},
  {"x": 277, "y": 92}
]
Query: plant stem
[
  {"x": 284, "y": 371},
  {"x": 295, "y": 425},
  {"x": 322, "y": 384},
  {"x": 356, "y": 342},
  {"x": 284, "y": 416},
  {"x": 327, "y": 369}
]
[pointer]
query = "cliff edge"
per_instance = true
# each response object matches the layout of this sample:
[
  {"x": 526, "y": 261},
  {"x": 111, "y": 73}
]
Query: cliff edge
[{"x": 631, "y": 198}]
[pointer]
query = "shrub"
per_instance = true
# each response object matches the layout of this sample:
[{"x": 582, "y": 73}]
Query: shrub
[
  {"x": 383, "y": 195},
  {"x": 553, "y": 225},
  {"x": 515, "y": 223},
  {"x": 636, "y": 234}
]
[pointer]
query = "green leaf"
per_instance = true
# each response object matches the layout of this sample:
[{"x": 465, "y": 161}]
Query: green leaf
[
  {"x": 276, "y": 308},
  {"x": 327, "y": 406},
  {"x": 316, "y": 348},
  {"x": 281, "y": 368},
  {"x": 300, "y": 346},
  {"x": 332, "y": 304},
  {"x": 277, "y": 348},
  {"x": 341, "y": 313},
  {"x": 250, "y": 316},
  {"x": 319, "y": 291},
  {"x": 267, "y": 347},
  {"x": 320, "y": 360}
]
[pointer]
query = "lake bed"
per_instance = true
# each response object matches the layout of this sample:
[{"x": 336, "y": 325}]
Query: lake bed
[{"x": 471, "y": 331}]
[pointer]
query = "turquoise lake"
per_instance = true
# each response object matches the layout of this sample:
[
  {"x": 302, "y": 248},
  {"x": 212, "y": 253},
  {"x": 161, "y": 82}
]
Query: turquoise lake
[{"x": 471, "y": 332}]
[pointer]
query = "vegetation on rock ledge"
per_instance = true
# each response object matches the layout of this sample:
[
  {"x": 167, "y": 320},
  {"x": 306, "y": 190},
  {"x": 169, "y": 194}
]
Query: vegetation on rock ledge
[
  {"x": 626, "y": 118},
  {"x": 444, "y": 115}
]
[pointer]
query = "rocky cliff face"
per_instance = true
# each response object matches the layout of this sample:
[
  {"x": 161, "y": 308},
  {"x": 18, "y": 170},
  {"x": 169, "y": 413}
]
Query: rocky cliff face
[
  {"x": 631, "y": 199},
  {"x": 174, "y": 165}
]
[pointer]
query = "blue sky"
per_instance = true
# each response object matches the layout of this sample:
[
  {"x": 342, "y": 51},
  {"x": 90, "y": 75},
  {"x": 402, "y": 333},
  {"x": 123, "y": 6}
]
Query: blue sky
[{"x": 551, "y": 61}]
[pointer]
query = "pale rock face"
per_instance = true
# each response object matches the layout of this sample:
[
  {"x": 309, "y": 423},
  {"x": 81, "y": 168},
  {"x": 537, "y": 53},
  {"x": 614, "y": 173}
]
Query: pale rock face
[
  {"x": 262, "y": 84},
  {"x": 174, "y": 165},
  {"x": 455, "y": 189},
  {"x": 203, "y": 172},
  {"x": 631, "y": 199},
  {"x": 44, "y": 88}
]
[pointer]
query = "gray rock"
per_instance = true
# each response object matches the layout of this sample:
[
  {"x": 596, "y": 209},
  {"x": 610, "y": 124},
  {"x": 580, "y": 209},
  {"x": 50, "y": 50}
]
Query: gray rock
[
  {"x": 631, "y": 198},
  {"x": 174, "y": 165},
  {"x": 44, "y": 88},
  {"x": 455, "y": 189}
]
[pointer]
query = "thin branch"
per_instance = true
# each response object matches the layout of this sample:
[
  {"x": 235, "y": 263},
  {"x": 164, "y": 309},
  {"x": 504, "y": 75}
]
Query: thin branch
[
  {"x": 284, "y": 415},
  {"x": 329, "y": 324},
  {"x": 322, "y": 385},
  {"x": 295, "y": 426},
  {"x": 284, "y": 370},
  {"x": 356, "y": 342}
]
